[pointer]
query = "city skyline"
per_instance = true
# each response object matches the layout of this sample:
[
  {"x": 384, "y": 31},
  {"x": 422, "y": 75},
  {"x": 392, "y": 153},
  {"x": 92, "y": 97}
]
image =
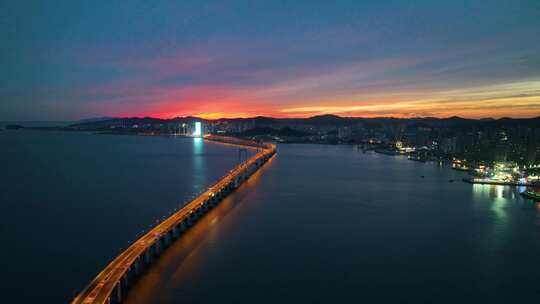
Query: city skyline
[{"x": 235, "y": 59}]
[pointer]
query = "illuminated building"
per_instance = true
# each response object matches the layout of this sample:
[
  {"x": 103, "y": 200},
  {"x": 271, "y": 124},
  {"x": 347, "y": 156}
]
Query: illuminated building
[{"x": 198, "y": 129}]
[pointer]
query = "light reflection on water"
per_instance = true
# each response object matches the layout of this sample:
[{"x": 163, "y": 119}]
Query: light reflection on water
[
  {"x": 499, "y": 204},
  {"x": 498, "y": 198},
  {"x": 198, "y": 162},
  {"x": 494, "y": 199},
  {"x": 329, "y": 224},
  {"x": 503, "y": 216}
]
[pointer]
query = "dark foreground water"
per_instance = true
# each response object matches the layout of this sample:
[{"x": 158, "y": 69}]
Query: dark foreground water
[
  {"x": 327, "y": 224},
  {"x": 70, "y": 201}
]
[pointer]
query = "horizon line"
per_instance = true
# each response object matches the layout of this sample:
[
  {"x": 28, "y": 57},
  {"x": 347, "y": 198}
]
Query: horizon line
[{"x": 270, "y": 117}]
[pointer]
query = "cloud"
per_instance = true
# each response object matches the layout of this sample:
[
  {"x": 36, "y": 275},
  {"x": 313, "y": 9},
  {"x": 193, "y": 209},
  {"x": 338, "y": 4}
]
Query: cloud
[
  {"x": 520, "y": 99},
  {"x": 362, "y": 58}
]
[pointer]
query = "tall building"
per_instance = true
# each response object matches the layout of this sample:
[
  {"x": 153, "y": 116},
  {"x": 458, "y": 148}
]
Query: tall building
[
  {"x": 501, "y": 147},
  {"x": 533, "y": 146},
  {"x": 198, "y": 131}
]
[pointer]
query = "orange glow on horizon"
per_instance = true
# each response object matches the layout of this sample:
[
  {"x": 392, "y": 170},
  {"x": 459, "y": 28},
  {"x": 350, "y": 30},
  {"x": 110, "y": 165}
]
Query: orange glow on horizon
[
  {"x": 470, "y": 114},
  {"x": 218, "y": 115},
  {"x": 518, "y": 100}
]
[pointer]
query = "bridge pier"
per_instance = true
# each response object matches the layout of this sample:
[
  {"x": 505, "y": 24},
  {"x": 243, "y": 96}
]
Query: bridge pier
[
  {"x": 194, "y": 217},
  {"x": 137, "y": 266},
  {"x": 124, "y": 281},
  {"x": 157, "y": 247},
  {"x": 188, "y": 221},
  {"x": 130, "y": 276},
  {"x": 117, "y": 293},
  {"x": 166, "y": 240},
  {"x": 182, "y": 226},
  {"x": 176, "y": 231},
  {"x": 200, "y": 211},
  {"x": 148, "y": 256}
]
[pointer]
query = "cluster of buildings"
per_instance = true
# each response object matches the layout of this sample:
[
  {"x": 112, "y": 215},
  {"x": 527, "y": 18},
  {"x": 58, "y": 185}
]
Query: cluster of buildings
[
  {"x": 493, "y": 154},
  {"x": 504, "y": 150},
  {"x": 493, "y": 151}
]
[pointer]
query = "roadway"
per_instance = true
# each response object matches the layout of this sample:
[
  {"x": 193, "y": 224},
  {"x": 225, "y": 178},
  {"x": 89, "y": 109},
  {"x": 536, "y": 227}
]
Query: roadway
[{"x": 102, "y": 286}]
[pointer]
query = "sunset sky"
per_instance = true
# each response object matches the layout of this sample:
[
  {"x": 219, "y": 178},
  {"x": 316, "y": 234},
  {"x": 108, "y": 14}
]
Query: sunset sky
[{"x": 68, "y": 60}]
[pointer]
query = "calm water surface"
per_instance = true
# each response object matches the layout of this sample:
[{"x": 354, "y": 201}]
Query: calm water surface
[
  {"x": 317, "y": 224},
  {"x": 70, "y": 201},
  {"x": 327, "y": 224}
]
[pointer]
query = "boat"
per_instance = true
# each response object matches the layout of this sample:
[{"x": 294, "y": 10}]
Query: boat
[{"x": 531, "y": 194}]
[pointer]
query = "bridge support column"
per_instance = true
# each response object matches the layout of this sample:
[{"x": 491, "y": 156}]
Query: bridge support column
[
  {"x": 147, "y": 257},
  {"x": 137, "y": 266},
  {"x": 165, "y": 241},
  {"x": 157, "y": 247},
  {"x": 124, "y": 281},
  {"x": 117, "y": 293},
  {"x": 183, "y": 225},
  {"x": 176, "y": 231}
]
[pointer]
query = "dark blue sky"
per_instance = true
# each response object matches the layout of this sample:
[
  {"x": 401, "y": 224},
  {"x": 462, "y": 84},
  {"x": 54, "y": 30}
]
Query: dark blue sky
[{"x": 70, "y": 60}]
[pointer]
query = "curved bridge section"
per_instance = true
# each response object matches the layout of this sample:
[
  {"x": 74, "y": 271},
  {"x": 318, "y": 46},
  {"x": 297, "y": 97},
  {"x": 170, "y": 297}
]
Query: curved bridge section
[{"x": 111, "y": 284}]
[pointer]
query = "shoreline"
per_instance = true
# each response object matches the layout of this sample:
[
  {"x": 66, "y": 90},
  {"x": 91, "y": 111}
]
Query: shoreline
[{"x": 497, "y": 183}]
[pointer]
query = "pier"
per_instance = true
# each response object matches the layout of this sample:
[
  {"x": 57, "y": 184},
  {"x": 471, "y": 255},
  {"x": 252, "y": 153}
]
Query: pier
[
  {"x": 113, "y": 282},
  {"x": 483, "y": 181}
]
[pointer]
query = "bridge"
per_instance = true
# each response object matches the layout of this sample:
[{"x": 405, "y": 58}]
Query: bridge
[{"x": 112, "y": 283}]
